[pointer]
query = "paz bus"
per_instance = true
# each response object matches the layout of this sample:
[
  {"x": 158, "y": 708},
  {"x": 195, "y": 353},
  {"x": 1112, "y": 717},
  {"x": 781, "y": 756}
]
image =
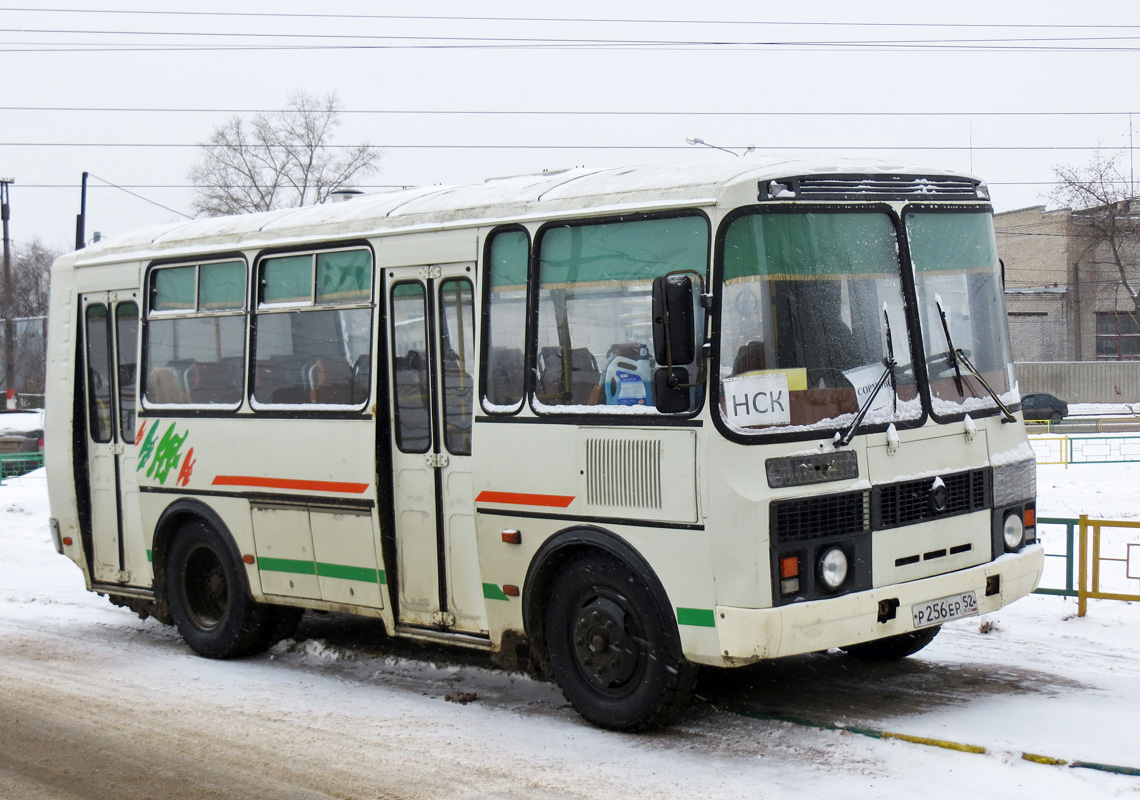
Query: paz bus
[{"x": 608, "y": 425}]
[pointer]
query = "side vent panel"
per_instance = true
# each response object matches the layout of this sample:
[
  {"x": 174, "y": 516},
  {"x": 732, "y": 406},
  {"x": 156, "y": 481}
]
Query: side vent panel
[
  {"x": 624, "y": 474},
  {"x": 639, "y": 474}
]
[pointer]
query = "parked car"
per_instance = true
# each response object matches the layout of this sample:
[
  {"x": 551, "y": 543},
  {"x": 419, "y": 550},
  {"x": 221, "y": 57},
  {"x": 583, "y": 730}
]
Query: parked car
[
  {"x": 1043, "y": 406},
  {"x": 21, "y": 432}
]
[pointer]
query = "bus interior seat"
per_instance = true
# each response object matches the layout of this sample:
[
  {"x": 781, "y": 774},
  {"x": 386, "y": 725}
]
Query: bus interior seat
[
  {"x": 163, "y": 386},
  {"x": 505, "y": 375},
  {"x": 584, "y": 376},
  {"x": 214, "y": 382},
  {"x": 329, "y": 381},
  {"x": 750, "y": 358}
]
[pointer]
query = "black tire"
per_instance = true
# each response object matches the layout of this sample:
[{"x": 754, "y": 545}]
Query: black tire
[
  {"x": 893, "y": 648},
  {"x": 208, "y": 599},
  {"x": 615, "y": 653},
  {"x": 1056, "y": 417}
]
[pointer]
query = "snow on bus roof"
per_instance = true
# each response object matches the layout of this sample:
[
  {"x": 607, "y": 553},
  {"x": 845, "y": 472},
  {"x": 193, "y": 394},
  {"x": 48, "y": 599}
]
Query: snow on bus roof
[{"x": 494, "y": 200}]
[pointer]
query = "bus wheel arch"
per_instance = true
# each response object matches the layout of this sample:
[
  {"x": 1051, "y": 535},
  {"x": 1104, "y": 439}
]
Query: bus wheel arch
[
  {"x": 173, "y": 519},
  {"x": 208, "y": 597},
  {"x": 589, "y": 584}
]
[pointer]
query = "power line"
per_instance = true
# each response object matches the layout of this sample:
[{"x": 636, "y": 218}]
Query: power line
[
  {"x": 13, "y": 47},
  {"x": 140, "y": 197},
  {"x": 543, "y": 40},
  {"x": 775, "y": 148},
  {"x": 576, "y": 20},
  {"x": 585, "y": 113}
]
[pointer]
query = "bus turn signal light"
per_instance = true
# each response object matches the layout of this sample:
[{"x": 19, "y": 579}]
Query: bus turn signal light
[
  {"x": 248, "y": 559},
  {"x": 510, "y": 590},
  {"x": 789, "y": 574},
  {"x": 512, "y": 537}
]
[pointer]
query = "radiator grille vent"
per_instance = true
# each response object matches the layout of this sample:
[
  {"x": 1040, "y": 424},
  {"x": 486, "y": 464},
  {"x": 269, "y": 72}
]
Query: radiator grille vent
[
  {"x": 880, "y": 187},
  {"x": 623, "y": 473},
  {"x": 809, "y": 518},
  {"x": 911, "y": 501}
]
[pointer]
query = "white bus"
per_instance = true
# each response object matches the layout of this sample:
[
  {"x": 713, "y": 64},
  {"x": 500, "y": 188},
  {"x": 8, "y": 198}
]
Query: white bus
[{"x": 606, "y": 424}]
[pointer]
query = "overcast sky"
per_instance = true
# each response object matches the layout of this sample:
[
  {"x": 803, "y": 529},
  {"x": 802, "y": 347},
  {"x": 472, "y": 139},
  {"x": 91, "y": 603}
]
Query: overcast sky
[{"x": 1006, "y": 90}]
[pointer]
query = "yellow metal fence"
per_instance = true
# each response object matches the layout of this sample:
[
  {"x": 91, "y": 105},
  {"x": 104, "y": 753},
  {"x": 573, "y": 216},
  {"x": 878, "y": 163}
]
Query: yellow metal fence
[{"x": 1101, "y": 563}]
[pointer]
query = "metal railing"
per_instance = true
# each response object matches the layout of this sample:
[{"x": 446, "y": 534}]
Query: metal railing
[
  {"x": 1096, "y": 569},
  {"x": 1068, "y": 450},
  {"x": 15, "y": 464}
]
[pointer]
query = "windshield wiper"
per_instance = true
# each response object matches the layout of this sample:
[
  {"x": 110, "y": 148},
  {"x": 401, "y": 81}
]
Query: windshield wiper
[
  {"x": 957, "y": 356},
  {"x": 889, "y": 372}
]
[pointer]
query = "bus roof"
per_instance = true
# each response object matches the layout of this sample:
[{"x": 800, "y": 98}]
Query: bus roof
[{"x": 496, "y": 200}]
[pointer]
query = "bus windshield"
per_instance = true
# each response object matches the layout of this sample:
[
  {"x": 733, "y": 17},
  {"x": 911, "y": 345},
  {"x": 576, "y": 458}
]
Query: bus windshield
[
  {"x": 958, "y": 278},
  {"x": 811, "y": 308}
]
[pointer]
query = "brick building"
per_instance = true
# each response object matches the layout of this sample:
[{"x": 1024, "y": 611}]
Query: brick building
[{"x": 1063, "y": 291}]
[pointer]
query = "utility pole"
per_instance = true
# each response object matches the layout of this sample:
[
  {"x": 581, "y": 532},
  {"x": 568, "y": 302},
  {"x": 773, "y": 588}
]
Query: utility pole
[
  {"x": 81, "y": 220},
  {"x": 9, "y": 322}
]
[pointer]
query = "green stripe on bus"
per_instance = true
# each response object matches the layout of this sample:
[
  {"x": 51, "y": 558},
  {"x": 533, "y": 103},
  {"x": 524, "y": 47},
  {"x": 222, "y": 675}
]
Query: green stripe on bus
[
  {"x": 341, "y": 571},
  {"x": 491, "y": 591},
  {"x": 287, "y": 565},
  {"x": 347, "y": 573},
  {"x": 150, "y": 556},
  {"x": 700, "y": 617}
]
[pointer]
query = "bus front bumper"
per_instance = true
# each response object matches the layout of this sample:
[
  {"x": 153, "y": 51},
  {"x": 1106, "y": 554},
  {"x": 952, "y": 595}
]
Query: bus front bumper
[{"x": 748, "y": 634}]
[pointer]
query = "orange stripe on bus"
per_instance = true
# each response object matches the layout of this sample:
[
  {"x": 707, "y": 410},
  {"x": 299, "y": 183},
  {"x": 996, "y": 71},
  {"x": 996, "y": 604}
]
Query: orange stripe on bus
[
  {"x": 519, "y": 499},
  {"x": 289, "y": 483}
]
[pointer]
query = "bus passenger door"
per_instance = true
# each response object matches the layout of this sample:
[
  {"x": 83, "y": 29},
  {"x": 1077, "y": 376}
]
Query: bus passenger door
[
  {"x": 110, "y": 337},
  {"x": 432, "y": 336}
]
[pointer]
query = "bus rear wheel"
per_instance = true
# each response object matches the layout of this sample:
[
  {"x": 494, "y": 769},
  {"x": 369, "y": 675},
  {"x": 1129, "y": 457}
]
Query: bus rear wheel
[
  {"x": 614, "y": 651},
  {"x": 893, "y": 648},
  {"x": 211, "y": 608}
]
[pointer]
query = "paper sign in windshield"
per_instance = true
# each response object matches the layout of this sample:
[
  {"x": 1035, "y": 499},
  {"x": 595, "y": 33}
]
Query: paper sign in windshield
[
  {"x": 864, "y": 380},
  {"x": 757, "y": 400}
]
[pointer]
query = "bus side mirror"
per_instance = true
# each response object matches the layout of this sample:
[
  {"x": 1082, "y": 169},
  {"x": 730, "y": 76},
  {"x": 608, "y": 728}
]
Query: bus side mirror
[
  {"x": 671, "y": 390},
  {"x": 674, "y": 340}
]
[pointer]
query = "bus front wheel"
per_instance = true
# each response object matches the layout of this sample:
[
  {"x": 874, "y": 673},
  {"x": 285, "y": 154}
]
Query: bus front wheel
[
  {"x": 211, "y": 609},
  {"x": 614, "y": 651}
]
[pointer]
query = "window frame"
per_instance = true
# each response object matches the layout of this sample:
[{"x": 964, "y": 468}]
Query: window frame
[
  {"x": 256, "y": 309},
  {"x": 907, "y": 286},
  {"x": 148, "y": 314},
  {"x": 486, "y": 328},
  {"x": 607, "y": 414},
  {"x": 1118, "y": 338}
]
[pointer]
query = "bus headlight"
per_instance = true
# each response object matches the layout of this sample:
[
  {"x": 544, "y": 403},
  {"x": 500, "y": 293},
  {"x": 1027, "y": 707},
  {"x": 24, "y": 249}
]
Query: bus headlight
[
  {"x": 833, "y": 568},
  {"x": 1013, "y": 531}
]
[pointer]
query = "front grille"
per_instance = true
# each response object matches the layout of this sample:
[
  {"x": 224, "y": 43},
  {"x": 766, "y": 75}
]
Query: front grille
[
  {"x": 908, "y": 502},
  {"x": 877, "y": 187},
  {"x": 810, "y": 518}
]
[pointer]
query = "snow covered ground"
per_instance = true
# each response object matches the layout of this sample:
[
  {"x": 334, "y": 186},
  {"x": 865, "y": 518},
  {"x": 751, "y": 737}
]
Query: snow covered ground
[{"x": 97, "y": 703}]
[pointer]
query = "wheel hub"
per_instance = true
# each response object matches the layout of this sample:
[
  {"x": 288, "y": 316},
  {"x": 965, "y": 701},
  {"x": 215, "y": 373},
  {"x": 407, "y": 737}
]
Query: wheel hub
[{"x": 605, "y": 651}]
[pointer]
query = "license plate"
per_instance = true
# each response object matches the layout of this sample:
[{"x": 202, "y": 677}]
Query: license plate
[{"x": 944, "y": 609}]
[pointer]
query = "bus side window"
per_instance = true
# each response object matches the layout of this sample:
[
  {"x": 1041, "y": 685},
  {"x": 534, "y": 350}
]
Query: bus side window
[
  {"x": 98, "y": 336},
  {"x": 409, "y": 370},
  {"x": 456, "y": 299},
  {"x": 505, "y": 331},
  {"x": 127, "y": 333},
  {"x": 195, "y": 335},
  {"x": 309, "y": 348}
]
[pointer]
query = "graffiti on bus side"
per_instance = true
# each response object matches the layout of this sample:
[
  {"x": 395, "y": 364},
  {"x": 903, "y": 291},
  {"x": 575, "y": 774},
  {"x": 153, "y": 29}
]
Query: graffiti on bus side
[{"x": 159, "y": 455}]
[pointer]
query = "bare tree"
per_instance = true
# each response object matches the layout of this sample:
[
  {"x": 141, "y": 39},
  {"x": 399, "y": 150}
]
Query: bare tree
[
  {"x": 1104, "y": 208},
  {"x": 31, "y": 269},
  {"x": 278, "y": 160}
]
